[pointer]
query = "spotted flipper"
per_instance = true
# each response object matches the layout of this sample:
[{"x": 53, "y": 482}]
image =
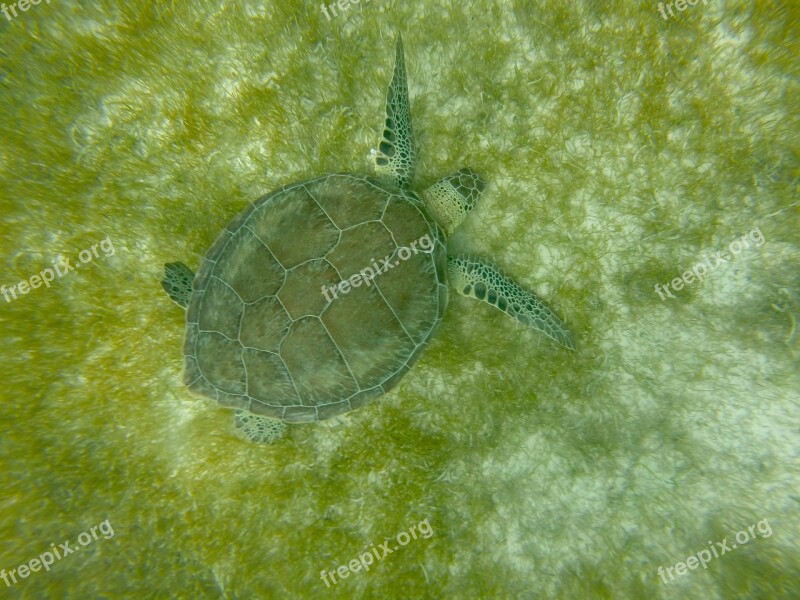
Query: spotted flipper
[
  {"x": 476, "y": 279},
  {"x": 177, "y": 282},
  {"x": 396, "y": 156},
  {"x": 258, "y": 429}
]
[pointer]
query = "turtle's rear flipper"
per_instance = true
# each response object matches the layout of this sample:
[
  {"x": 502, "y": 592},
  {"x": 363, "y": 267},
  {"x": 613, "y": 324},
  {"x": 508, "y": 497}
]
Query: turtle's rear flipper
[
  {"x": 259, "y": 429},
  {"x": 476, "y": 279},
  {"x": 177, "y": 282}
]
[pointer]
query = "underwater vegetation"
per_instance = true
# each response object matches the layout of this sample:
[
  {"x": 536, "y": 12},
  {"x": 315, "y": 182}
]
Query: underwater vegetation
[{"x": 619, "y": 151}]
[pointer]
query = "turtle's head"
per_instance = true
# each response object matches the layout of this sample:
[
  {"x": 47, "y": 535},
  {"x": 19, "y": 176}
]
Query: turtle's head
[{"x": 451, "y": 198}]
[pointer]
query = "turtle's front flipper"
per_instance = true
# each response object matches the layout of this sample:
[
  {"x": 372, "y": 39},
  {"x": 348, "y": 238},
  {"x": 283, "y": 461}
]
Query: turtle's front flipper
[
  {"x": 396, "y": 157},
  {"x": 177, "y": 282},
  {"x": 476, "y": 279}
]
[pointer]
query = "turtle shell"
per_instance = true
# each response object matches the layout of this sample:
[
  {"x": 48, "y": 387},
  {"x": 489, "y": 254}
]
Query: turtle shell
[{"x": 273, "y": 328}]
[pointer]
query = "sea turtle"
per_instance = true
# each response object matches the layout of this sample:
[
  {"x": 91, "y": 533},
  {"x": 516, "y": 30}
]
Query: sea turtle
[{"x": 319, "y": 297}]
